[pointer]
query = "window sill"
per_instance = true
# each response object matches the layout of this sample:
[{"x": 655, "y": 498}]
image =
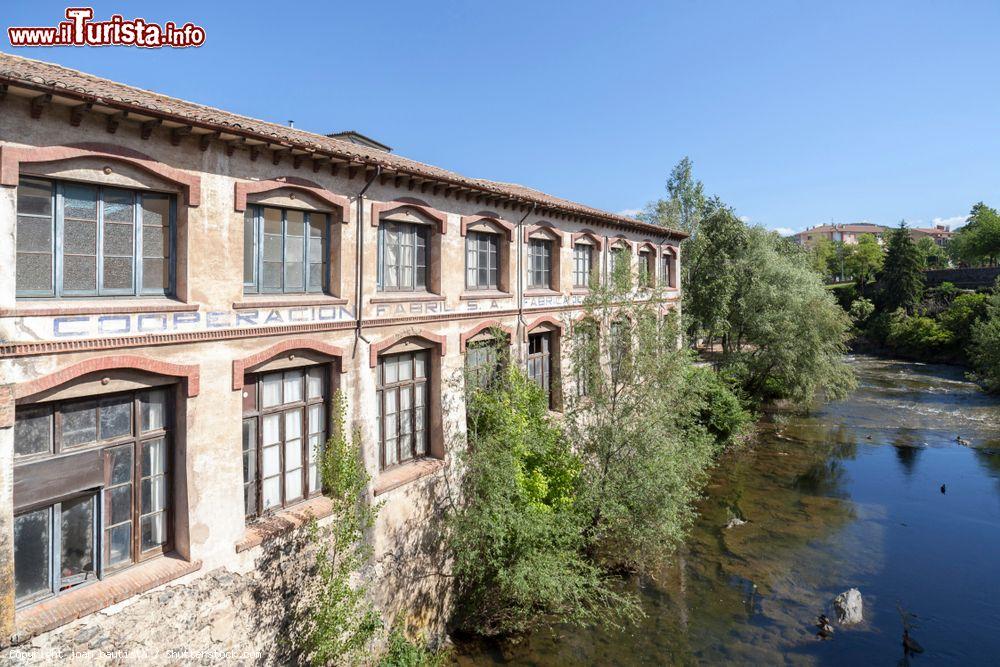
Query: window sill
[
  {"x": 68, "y": 607},
  {"x": 283, "y": 522},
  {"x": 542, "y": 292},
  {"x": 280, "y": 301},
  {"x": 470, "y": 295},
  {"x": 405, "y": 297},
  {"x": 406, "y": 473},
  {"x": 577, "y": 291},
  {"x": 94, "y": 306}
]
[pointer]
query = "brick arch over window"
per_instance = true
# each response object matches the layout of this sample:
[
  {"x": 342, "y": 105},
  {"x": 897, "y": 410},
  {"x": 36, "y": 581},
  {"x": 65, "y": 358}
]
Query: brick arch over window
[
  {"x": 492, "y": 218},
  {"x": 546, "y": 229},
  {"x": 588, "y": 234},
  {"x": 418, "y": 205},
  {"x": 478, "y": 329},
  {"x": 441, "y": 342},
  {"x": 544, "y": 319},
  {"x": 244, "y": 188},
  {"x": 187, "y": 372},
  {"x": 621, "y": 242},
  {"x": 11, "y": 158},
  {"x": 647, "y": 245},
  {"x": 241, "y": 365}
]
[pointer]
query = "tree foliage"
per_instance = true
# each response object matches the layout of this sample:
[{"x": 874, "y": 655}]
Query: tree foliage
[
  {"x": 902, "y": 276},
  {"x": 781, "y": 332},
  {"x": 685, "y": 203},
  {"x": 978, "y": 241},
  {"x": 517, "y": 539},
  {"x": 984, "y": 349},
  {"x": 865, "y": 260},
  {"x": 340, "y": 622}
]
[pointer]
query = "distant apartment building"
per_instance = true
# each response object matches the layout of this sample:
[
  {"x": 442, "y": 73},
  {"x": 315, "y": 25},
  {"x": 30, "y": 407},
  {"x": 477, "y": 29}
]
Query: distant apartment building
[{"x": 849, "y": 234}]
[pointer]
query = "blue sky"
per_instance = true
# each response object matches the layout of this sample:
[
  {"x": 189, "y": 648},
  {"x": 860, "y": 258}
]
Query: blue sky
[{"x": 795, "y": 113}]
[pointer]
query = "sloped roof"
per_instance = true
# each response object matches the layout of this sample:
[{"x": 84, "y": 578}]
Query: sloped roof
[{"x": 66, "y": 82}]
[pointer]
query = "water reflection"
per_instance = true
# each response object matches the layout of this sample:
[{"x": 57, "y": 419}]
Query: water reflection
[{"x": 848, "y": 495}]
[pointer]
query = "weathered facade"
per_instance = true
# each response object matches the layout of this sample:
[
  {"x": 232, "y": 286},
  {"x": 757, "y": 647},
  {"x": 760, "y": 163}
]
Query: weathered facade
[{"x": 182, "y": 290}]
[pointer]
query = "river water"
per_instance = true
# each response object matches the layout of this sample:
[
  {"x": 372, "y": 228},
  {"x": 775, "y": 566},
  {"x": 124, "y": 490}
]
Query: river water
[{"x": 849, "y": 495}]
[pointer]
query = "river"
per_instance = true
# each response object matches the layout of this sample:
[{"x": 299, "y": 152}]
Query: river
[{"x": 872, "y": 492}]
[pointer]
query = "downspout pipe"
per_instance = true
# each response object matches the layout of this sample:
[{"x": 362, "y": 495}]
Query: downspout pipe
[
  {"x": 359, "y": 273},
  {"x": 521, "y": 324}
]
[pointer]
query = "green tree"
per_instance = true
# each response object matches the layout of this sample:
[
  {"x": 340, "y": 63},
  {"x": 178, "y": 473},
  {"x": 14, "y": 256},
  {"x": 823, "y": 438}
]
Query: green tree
[
  {"x": 865, "y": 260},
  {"x": 932, "y": 256},
  {"x": 978, "y": 242},
  {"x": 826, "y": 258},
  {"x": 984, "y": 348},
  {"x": 517, "y": 535},
  {"x": 781, "y": 332},
  {"x": 646, "y": 430},
  {"x": 902, "y": 276},
  {"x": 685, "y": 204},
  {"x": 339, "y": 622}
]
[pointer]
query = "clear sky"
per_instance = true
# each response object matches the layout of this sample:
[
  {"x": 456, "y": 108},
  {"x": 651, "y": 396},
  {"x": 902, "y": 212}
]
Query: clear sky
[{"x": 795, "y": 113}]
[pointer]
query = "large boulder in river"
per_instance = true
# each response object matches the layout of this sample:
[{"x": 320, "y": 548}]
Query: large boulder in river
[{"x": 848, "y": 607}]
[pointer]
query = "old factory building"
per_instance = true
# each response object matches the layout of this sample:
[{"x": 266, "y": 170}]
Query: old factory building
[{"x": 182, "y": 290}]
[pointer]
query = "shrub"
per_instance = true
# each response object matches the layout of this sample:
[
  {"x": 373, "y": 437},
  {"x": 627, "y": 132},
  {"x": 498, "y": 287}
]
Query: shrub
[
  {"x": 964, "y": 311},
  {"x": 401, "y": 651},
  {"x": 917, "y": 335},
  {"x": 984, "y": 349},
  {"x": 722, "y": 412},
  {"x": 517, "y": 537},
  {"x": 861, "y": 309}
]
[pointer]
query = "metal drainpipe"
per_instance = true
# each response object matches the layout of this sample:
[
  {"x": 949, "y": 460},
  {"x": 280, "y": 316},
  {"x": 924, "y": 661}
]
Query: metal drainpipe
[
  {"x": 359, "y": 274},
  {"x": 520, "y": 277}
]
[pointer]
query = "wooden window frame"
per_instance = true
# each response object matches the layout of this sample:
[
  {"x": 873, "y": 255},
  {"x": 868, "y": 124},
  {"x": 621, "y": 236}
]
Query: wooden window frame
[
  {"x": 583, "y": 266},
  {"x": 253, "y": 386},
  {"x": 253, "y": 222},
  {"x": 483, "y": 368},
  {"x": 540, "y": 277},
  {"x": 102, "y": 515},
  {"x": 57, "y": 240},
  {"x": 414, "y": 381},
  {"x": 415, "y": 234},
  {"x": 474, "y": 253},
  {"x": 542, "y": 360}
]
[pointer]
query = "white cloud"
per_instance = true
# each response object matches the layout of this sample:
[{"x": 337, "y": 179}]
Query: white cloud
[
  {"x": 784, "y": 231},
  {"x": 745, "y": 219},
  {"x": 630, "y": 212}
]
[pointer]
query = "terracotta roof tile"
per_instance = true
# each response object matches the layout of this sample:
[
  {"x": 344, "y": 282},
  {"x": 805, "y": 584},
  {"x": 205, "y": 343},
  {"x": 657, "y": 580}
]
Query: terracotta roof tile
[{"x": 47, "y": 77}]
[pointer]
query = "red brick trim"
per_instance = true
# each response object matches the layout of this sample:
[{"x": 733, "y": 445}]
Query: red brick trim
[
  {"x": 668, "y": 250},
  {"x": 240, "y": 366},
  {"x": 618, "y": 241},
  {"x": 507, "y": 227},
  {"x": 11, "y": 158},
  {"x": 376, "y": 348},
  {"x": 647, "y": 245},
  {"x": 86, "y": 600},
  {"x": 479, "y": 328},
  {"x": 379, "y": 208},
  {"x": 544, "y": 319},
  {"x": 588, "y": 234},
  {"x": 545, "y": 229},
  {"x": 189, "y": 372},
  {"x": 244, "y": 188},
  {"x": 284, "y": 522}
]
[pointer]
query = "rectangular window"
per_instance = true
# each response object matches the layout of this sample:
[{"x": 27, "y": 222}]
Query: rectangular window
[
  {"x": 539, "y": 264},
  {"x": 403, "y": 402},
  {"x": 619, "y": 346},
  {"x": 402, "y": 249},
  {"x": 588, "y": 358},
  {"x": 284, "y": 251},
  {"x": 667, "y": 272},
  {"x": 583, "y": 257},
  {"x": 484, "y": 362},
  {"x": 481, "y": 261},
  {"x": 539, "y": 361},
  {"x": 646, "y": 269},
  {"x": 75, "y": 239},
  {"x": 284, "y": 430},
  {"x": 620, "y": 264},
  {"x": 89, "y": 532}
]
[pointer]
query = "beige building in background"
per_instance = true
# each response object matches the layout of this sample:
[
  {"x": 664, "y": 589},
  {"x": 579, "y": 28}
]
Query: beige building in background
[
  {"x": 850, "y": 233},
  {"x": 182, "y": 290}
]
